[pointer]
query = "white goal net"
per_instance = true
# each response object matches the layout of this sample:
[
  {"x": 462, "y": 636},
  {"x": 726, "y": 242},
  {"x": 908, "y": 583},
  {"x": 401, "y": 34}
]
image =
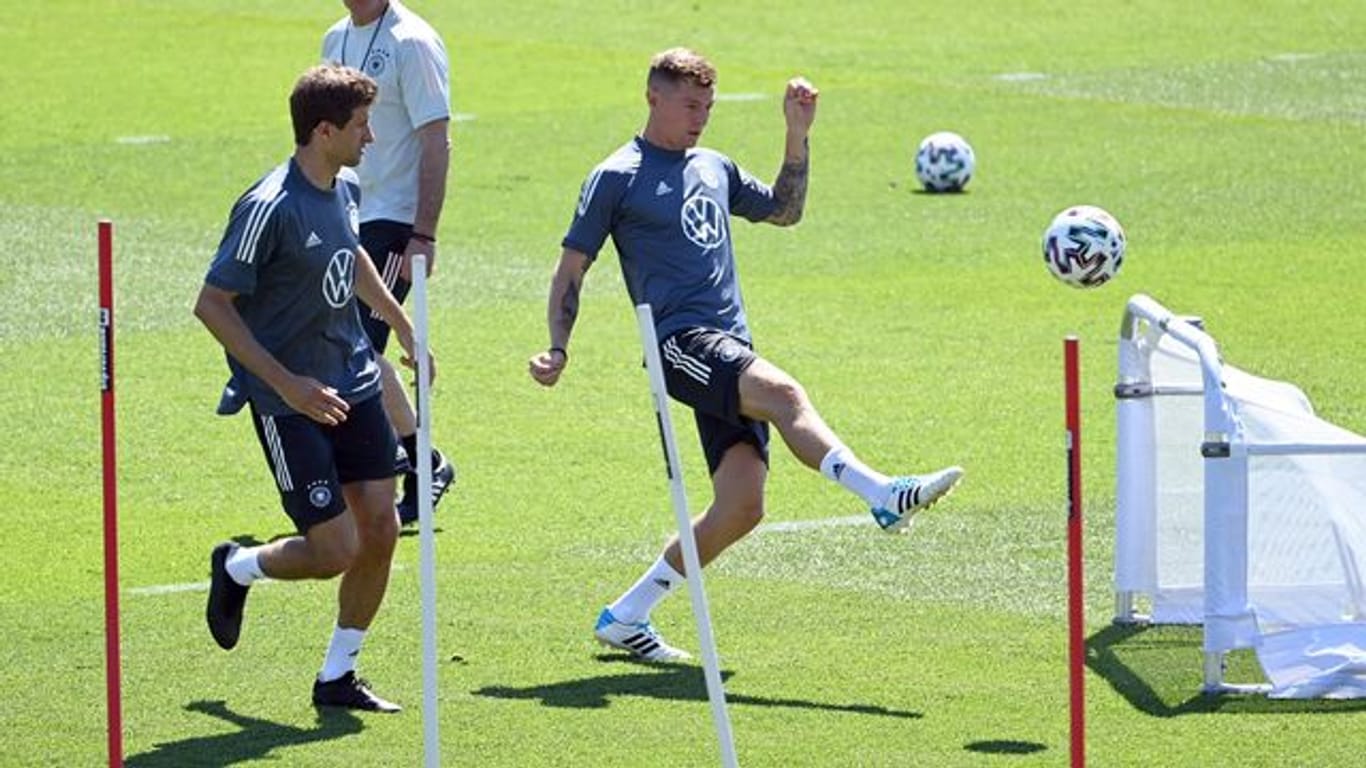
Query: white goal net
[{"x": 1237, "y": 509}]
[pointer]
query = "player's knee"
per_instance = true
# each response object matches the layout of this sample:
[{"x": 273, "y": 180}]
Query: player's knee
[
  {"x": 746, "y": 511},
  {"x": 752, "y": 513},
  {"x": 380, "y": 527},
  {"x": 335, "y": 557},
  {"x": 787, "y": 399}
]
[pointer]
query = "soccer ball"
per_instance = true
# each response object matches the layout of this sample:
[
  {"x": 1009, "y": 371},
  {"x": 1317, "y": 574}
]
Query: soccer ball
[
  {"x": 1084, "y": 246},
  {"x": 944, "y": 162}
]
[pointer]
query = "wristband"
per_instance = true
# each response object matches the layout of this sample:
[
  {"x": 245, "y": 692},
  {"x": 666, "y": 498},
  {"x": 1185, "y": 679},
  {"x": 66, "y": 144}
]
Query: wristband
[
  {"x": 424, "y": 238},
  {"x": 561, "y": 350}
]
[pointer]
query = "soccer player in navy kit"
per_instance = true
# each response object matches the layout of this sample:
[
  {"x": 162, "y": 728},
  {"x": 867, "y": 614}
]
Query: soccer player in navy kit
[
  {"x": 280, "y": 296},
  {"x": 666, "y": 204}
]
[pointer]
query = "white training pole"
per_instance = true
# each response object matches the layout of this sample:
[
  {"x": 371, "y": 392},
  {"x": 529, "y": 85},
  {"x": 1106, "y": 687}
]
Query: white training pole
[
  {"x": 711, "y": 668},
  {"x": 430, "y": 739}
]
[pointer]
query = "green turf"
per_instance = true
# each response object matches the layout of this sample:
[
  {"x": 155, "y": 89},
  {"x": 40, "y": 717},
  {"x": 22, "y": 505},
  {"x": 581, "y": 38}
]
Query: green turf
[{"x": 1225, "y": 135}]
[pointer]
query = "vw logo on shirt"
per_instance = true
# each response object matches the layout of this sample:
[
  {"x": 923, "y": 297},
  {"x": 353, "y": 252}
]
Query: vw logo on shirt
[
  {"x": 339, "y": 278},
  {"x": 703, "y": 221}
]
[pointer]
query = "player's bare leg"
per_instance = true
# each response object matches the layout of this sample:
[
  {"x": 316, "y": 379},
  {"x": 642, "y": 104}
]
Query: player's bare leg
[
  {"x": 767, "y": 393},
  {"x": 328, "y": 549},
  {"x": 359, "y": 596},
  {"x": 737, "y": 507},
  {"x": 365, "y": 581}
]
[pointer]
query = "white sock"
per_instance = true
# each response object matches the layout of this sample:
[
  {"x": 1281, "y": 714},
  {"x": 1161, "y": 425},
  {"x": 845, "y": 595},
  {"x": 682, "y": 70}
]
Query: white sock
[
  {"x": 244, "y": 565},
  {"x": 842, "y": 466},
  {"x": 635, "y": 605},
  {"x": 341, "y": 653}
]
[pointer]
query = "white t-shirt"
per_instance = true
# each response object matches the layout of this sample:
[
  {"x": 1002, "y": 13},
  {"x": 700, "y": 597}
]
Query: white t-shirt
[{"x": 408, "y": 60}]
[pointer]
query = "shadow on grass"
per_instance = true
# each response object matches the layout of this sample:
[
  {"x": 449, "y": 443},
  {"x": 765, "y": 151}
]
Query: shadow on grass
[
  {"x": 678, "y": 682},
  {"x": 1005, "y": 747},
  {"x": 255, "y": 741},
  {"x": 1158, "y": 670},
  {"x": 413, "y": 531},
  {"x": 404, "y": 532}
]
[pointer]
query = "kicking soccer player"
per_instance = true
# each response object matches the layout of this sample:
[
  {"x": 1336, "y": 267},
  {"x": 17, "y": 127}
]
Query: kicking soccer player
[
  {"x": 280, "y": 296},
  {"x": 667, "y": 204}
]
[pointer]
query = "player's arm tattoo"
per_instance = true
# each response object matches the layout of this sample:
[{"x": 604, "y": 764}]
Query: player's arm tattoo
[
  {"x": 569, "y": 304},
  {"x": 789, "y": 192},
  {"x": 565, "y": 312}
]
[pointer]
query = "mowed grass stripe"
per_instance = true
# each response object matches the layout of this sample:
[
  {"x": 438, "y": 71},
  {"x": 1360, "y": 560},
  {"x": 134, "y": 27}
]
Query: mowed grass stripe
[{"x": 1309, "y": 87}]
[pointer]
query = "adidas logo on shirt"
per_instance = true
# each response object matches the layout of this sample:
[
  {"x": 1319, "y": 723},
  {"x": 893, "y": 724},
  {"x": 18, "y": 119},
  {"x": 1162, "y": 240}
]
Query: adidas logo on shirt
[
  {"x": 313, "y": 240},
  {"x": 663, "y": 189}
]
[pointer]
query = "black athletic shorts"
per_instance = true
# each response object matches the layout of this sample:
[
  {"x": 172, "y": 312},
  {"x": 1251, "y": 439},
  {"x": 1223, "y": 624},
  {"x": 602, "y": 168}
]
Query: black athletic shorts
[
  {"x": 702, "y": 370},
  {"x": 385, "y": 241},
  {"x": 312, "y": 461}
]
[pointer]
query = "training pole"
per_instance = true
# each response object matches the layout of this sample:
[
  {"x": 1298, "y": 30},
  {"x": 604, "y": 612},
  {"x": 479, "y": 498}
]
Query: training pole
[
  {"x": 431, "y": 742},
  {"x": 1076, "y": 628},
  {"x": 113, "y": 685},
  {"x": 716, "y": 692}
]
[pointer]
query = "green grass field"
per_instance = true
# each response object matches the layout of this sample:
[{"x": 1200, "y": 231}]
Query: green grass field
[{"x": 1227, "y": 136}]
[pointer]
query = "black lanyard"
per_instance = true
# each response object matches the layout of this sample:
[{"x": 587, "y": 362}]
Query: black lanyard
[{"x": 346, "y": 34}]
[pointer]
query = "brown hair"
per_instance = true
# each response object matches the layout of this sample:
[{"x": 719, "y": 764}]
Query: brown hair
[
  {"x": 677, "y": 65},
  {"x": 328, "y": 92}
]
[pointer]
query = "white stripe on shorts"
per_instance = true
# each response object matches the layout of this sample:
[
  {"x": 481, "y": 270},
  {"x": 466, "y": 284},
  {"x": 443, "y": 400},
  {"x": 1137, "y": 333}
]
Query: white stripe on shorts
[
  {"x": 689, "y": 365},
  {"x": 392, "y": 265},
  {"x": 277, "y": 454}
]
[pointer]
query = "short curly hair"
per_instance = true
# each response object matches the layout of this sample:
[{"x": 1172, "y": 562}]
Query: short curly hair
[
  {"x": 678, "y": 65},
  {"x": 328, "y": 92}
]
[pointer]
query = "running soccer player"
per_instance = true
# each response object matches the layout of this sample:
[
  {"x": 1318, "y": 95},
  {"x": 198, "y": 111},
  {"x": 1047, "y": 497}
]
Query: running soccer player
[
  {"x": 666, "y": 204},
  {"x": 280, "y": 296}
]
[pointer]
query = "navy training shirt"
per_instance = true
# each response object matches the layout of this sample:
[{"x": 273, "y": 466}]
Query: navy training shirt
[
  {"x": 289, "y": 253},
  {"x": 668, "y": 213}
]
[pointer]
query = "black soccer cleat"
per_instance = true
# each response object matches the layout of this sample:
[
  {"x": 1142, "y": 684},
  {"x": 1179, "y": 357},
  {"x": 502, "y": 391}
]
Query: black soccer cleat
[
  {"x": 350, "y": 692},
  {"x": 226, "y": 598},
  {"x": 443, "y": 476}
]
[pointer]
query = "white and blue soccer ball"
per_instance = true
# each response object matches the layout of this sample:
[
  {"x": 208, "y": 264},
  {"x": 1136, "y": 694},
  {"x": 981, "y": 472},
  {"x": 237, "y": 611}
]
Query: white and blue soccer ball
[
  {"x": 1084, "y": 246},
  {"x": 944, "y": 162}
]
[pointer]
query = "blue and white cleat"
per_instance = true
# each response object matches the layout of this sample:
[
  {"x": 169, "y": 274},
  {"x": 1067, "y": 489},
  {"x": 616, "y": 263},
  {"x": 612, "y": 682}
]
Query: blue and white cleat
[
  {"x": 640, "y": 640},
  {"x": 911, "y": 494}
]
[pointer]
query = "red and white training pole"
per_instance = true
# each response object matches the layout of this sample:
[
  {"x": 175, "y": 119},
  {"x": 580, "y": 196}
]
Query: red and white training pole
[
  {"x": 111, "y": 499},
  {"x": 1076, "y": 626}
]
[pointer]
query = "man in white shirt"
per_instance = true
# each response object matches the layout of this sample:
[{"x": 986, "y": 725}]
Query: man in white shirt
[{"x": 402, "y": 177}]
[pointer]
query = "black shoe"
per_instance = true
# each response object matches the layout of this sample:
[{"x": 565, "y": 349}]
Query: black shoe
[
  {"x": 350, "y": 692},
  {"x": 226, "y": 598},
  {"x": 443, "y": 476}
]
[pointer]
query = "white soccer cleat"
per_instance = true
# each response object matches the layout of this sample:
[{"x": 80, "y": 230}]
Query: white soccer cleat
[
  {"x": 640, "y": 639},
  {"x": 911, "y": 494}
]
